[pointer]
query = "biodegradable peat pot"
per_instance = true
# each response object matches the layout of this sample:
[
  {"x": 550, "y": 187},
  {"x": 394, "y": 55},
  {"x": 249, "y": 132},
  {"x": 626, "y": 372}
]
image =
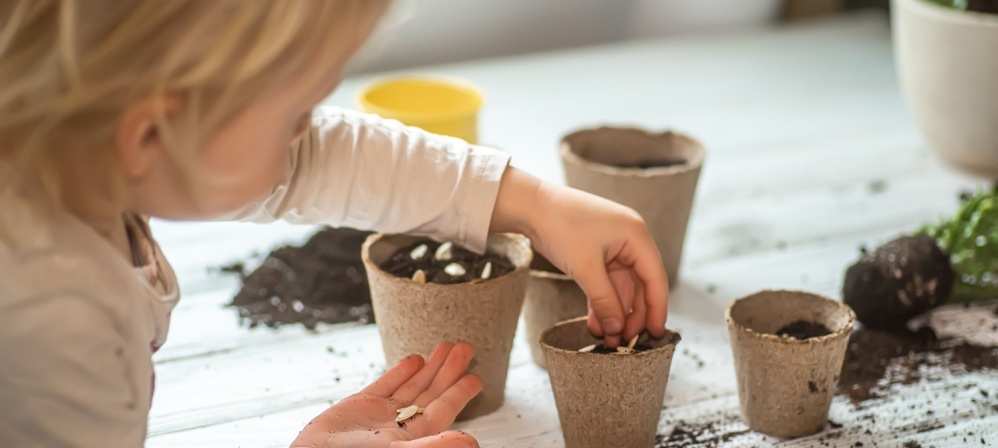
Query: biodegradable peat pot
[
  {"x": 606, "y": 400},
  {"x": 416, "y": 318},
  {"x": 948, "y": 71},
  {"x": 552, "y": 297},
  {"x": 626, "y": 166},
  {"x": 785, "y": 385}
]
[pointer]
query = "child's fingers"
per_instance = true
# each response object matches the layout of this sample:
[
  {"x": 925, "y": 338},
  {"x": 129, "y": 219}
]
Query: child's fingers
[
  {"x": 592, "y": 278},
  {"x": 593, "y": 324},
  {"x": 422, "y": 379},
  {"x": 388, "y": 383},
  {"x": 597, "y": 330},
  {"x": 441, "y": 412},
  {"x": 453, "y": 369},
  {"x": 635, "y": 323},
  {"x": 623, "y": 285},
  {"x": 647, "y": 265},
  {"x": 449, "y": 439}
]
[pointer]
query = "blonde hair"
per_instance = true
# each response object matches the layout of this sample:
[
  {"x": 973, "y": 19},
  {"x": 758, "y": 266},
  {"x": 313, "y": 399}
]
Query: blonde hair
[{"x": 70, "y": 68}]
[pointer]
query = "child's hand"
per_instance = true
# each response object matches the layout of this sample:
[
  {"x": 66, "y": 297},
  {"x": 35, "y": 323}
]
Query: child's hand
[
  {"x": 603, "y": 245},
  {"x": 367, "y": 419}
]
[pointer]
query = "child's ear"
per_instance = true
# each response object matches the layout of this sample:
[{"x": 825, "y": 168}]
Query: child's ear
[{"x": 137, "y": 137}]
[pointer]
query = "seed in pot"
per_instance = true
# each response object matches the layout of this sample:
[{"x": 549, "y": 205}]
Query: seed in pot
[
  {"x": 487, "y": 270},
  {"x": 455, "y": 270},
  {"x": 587, "y": 348},
  {"x": 419, "y": 277},
  {"x": 624, "y": 351},
  {"x": 407, "y": 412},
  {"x": 418, "y": 252},
  {"x": 444, "y": 252},
  {"x": 297, "y": 306},
  {"x": 634, "y": 340}
]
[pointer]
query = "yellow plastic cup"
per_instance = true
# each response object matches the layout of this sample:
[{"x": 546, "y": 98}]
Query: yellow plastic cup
[{"x": 437, "y": 105}]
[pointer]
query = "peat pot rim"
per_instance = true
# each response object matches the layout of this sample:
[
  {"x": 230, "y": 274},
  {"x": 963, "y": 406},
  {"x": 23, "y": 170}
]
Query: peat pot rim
[
  {"x": 696, "y": 152},
  {"x": 668, "y": 343},
  {"x": 839, "y": 333},
  {"x": 514, "y": 239}
]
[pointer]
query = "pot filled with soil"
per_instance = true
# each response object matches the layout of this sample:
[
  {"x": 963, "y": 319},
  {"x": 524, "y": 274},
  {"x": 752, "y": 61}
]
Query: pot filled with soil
[
  {"x": 788, "y": 348},
  {"x": 607, "y": 397},
  {"x": 425, "y": 293},
  {"x": 552, "y": 297},
  {"x": 656, "y": 174}
]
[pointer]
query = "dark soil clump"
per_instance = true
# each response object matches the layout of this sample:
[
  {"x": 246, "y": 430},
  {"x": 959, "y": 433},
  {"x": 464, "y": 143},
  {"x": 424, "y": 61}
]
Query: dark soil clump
[
  {"x": 660, "y": 163},
  {"x": 900, "y": 280},
  {"x": 321, "y": 281},
  {"x": 604, "y": 350},
  {"x": 438, "y": 265},
  {"x": 803, "y": 330},
  {"x": 876, "y": 359}
]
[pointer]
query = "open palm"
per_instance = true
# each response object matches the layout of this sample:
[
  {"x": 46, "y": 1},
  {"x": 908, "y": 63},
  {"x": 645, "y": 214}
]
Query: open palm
[{"x": 440, "y": 385}]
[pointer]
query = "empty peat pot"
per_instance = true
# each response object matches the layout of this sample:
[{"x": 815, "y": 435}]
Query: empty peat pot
[
  {"x": 786, "y": 384},
  {"x": 552, "y": 297},
  {"x": 606, "y": 400},
  {"x": 655, "y": 174},
  {"x": 415, "y": 317}
]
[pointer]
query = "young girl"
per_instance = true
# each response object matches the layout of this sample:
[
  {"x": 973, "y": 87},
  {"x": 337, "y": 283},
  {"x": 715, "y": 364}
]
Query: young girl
[{"x": 114, "y": 111}]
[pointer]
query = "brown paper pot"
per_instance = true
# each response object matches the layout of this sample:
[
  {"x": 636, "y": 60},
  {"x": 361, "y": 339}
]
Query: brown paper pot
[
  {"x": 606, "y": 400},
  {"x": 414, "y": 318},
  {"x": 552, "y": 297},
  {"x": 596, "y": 161},
  {"x": 785, "y": 385}
]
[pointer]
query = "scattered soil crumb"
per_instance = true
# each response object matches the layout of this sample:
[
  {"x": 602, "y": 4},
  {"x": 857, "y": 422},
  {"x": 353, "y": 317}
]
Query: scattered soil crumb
[
  {"x": 714, "y": 433},
  {"x": 875, "y": 360}
]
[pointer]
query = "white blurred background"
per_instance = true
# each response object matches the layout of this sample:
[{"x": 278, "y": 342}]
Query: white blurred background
[{"x": 423, "y": 32}]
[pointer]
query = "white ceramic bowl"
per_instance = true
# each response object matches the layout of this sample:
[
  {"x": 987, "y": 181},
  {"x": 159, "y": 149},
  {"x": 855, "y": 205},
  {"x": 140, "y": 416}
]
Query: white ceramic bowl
[{"x": 947, "y": 64}]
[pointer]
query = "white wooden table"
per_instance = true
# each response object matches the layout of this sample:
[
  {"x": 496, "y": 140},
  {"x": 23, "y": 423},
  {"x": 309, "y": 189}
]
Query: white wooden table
[{"x": 799, "y": 122}]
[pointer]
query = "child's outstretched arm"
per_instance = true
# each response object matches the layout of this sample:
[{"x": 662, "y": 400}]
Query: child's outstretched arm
[
  {"x": 351, "y": 169},
  {"x": 356, "y": 170},
  {"x": 603, "y": 245}
]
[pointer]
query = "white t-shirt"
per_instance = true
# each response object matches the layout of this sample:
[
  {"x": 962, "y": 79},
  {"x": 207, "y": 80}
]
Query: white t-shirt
[{"x": 79, "y": 323}]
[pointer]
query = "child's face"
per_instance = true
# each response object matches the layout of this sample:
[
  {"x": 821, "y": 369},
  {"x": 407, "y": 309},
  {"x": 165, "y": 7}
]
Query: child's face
[
  {"x": 243, "y": 161},
  {"x": 247, "y": 157}
]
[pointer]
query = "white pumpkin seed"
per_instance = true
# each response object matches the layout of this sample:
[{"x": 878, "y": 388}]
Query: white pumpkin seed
[
  {"x": 587, "y": 348},
  {"x": 418, "y": 252},
  {"x": 444, "y": 252},
  {"x": 487, "y": 270},
  {"x": 419, "y": 277},
  {"x": 406, "y": 413},
  {"x": 455, "y": 270},
  {"x": 624, "y": 351},
  {"x": 633, "y": 341}
]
